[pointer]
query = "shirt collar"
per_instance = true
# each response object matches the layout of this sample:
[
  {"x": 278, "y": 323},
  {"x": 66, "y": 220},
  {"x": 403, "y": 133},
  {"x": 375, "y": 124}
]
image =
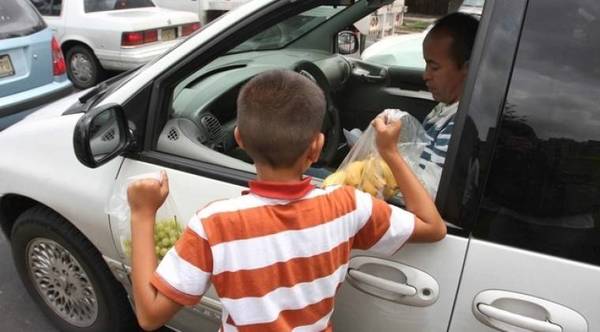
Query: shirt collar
[{"x": 281, "y": 190}]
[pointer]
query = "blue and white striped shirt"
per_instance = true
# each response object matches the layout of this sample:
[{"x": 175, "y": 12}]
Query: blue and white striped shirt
[{"x": 438, "y": 125}]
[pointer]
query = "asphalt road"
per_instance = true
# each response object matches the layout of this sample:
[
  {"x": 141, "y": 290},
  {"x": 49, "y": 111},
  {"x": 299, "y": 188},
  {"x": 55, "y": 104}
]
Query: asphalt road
[{"x": 18, "y": 312}]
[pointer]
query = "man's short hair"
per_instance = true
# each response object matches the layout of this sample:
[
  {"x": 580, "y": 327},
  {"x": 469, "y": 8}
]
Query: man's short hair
[
  {"x": 279, "y": 114},
  {"x": 462, "y": 28}
]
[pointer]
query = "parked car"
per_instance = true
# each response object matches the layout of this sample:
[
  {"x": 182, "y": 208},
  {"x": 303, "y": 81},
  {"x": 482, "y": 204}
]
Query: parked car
[
  {"x": 100, "y": 35},
  {"x": 520, "y": 189},
  {"x": 32, "y": 67},
  {"x": 406, "y": 50}
]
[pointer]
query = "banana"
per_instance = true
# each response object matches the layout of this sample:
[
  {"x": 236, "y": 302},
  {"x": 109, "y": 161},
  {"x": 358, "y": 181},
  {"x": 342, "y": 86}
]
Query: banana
[
  {"x": 354, "y": 173},
  {"x": 338, "y": 177}
]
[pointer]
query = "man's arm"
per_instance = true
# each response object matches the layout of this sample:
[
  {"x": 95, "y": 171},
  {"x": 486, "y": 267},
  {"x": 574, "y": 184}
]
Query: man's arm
[
  {"x": 152, "y": 308},
  {"x": 429, "y": 226}
]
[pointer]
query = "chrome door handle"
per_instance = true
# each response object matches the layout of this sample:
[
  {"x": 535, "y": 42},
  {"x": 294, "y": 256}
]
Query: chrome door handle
[
  {"x": 518, "y": 320},
  {"x": 384, "y": 284},
  {"x": 507, "y": 311},
  {"x": 392, "y": 281}
]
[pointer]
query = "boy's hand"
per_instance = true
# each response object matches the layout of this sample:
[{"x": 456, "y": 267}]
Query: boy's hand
[
  {"x": 386, "y": 135},
  {"x": 146, "y": 196}
]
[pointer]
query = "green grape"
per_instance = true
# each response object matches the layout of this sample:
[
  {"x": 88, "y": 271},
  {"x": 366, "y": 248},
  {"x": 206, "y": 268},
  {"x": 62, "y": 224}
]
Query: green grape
[
  {"x": 163, "y": 252},
  {"x": 166, "y": 233}
]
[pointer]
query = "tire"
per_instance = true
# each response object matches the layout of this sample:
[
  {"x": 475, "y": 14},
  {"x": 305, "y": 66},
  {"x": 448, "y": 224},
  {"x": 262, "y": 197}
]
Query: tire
[
  {"x": 83, "y": 68},
  {"x": 66, "y": 275}
]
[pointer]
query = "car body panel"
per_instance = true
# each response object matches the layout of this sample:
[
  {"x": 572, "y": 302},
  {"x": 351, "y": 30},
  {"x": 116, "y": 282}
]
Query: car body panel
[
  {"x": 46, "y": 138},
  {"x": 33, "y": 80},
  {"x": 101, "y": 31}
]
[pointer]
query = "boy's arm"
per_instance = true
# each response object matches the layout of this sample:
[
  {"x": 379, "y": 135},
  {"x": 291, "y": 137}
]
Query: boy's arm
[
  {"x": 429, "y": 225},
  {"x": 152, "y": 308}
]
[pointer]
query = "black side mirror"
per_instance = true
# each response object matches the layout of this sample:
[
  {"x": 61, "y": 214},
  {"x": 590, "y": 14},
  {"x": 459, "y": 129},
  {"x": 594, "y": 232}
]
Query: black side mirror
[
  {"x": 100, "y": 135},
  {"x": 347, "y": 42}
]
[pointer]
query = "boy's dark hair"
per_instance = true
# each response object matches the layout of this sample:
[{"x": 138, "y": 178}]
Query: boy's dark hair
[
  {"x": 279, "y": 114},
  {"x": 462, "y": 28}
]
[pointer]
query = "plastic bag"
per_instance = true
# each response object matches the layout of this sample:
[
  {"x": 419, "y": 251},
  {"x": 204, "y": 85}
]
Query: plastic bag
[
  {"x": 364, "y": 169},
  {"x": 167, "y": 229}
]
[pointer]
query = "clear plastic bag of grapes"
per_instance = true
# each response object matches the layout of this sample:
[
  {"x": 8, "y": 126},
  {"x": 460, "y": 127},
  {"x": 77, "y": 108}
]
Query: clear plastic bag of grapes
[{"x": 168, "y": 227}]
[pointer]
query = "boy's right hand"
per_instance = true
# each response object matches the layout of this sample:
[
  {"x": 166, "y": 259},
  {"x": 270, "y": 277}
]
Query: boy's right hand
[{"x": 386, "y": 135}]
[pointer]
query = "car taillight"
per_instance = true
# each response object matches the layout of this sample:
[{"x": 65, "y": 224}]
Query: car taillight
[
  {"x": 187, "y": 29},
  {"x": 139, "y": 37},
  {"x": 58, "y": 61},
  {"x": 132, "y": 38},
  {"x": 150, "y": 36}
]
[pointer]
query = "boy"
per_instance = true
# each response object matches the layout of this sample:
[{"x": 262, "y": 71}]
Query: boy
[{"x": 276, "y": 255}]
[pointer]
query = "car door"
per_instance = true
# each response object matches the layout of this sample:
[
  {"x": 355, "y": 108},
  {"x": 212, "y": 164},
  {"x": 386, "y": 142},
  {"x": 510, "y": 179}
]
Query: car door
[
  {"x": 533, "y": 262},
  {"x": 368, "y": 304}
]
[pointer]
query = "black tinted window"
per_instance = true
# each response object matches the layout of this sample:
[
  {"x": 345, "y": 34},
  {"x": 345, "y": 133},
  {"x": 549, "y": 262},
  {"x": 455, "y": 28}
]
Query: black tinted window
[
  {"x": 543, "y": 191},
  {"x": 18, "y": 18},
  {"x": 48, "y": 7},
  {"x": 104, "y": 5}
]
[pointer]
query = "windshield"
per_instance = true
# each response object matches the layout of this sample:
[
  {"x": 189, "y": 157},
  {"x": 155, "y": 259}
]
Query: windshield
[
  {"x": 474, "y": 3},
  {"x": 18, "y": 18},
  {"x": 105, "y": 5},
  {"x": 281, "y": 34}
]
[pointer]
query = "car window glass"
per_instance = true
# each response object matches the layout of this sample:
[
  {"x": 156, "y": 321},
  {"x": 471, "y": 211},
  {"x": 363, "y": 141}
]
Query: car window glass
[
  {"x": 203, "y": 108},
  {"x": 543, "y": 191},
  {"x": 284, "y": 32},
  {"x": 106, "y": 5},
  {"x": 48, "y": 7},
  {"x": 17, "y": 19}
]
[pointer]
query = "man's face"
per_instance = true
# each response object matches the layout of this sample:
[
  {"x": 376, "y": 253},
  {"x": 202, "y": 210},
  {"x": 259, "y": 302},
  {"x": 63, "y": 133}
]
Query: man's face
[{"x": 443, "y": 76}]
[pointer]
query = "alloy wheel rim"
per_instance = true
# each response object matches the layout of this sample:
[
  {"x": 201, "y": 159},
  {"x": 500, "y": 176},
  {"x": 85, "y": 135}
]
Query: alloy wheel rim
[
  {"x": 61, "y": 282},
  {"x": 81, "y": 67}
]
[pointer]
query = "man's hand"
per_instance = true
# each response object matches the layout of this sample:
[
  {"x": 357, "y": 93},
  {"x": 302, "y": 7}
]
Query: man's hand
[
  {"x": 386, "y": 134},
  {"x": 146, "y": 196}
]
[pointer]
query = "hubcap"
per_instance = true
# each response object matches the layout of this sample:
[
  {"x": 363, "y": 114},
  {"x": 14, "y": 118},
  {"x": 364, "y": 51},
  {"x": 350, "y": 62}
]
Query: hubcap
[
  {"x": 81, "y": 67},
  {"x": 61, "y": 282}
]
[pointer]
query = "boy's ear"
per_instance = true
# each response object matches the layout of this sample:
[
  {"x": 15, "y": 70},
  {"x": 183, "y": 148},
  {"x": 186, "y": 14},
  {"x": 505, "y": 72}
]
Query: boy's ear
[
  {"x": 315, "y": 148},
  {"x": 238, "y": 138}
]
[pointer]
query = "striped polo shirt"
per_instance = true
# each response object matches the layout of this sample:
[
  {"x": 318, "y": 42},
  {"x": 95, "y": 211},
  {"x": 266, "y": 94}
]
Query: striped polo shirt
[
  {"x": 438, "y": 125},
  {"x": 277, "y": 255}
]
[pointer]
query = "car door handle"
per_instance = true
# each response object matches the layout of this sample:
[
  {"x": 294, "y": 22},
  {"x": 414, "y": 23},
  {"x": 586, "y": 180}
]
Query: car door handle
[
  {"x": 392, "y": 281},
  {"x": 508, "y": 311},
  {"x": 518, "y": 320},
  {"x": 384, "y": 284}
]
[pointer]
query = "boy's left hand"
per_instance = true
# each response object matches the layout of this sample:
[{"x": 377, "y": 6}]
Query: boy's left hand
[{"x": 146, "y": 196}]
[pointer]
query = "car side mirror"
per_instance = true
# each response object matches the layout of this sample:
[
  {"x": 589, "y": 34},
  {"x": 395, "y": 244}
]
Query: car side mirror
[
  {"x": 347, "y": 42},
  {"x": 100, "y": 135}
]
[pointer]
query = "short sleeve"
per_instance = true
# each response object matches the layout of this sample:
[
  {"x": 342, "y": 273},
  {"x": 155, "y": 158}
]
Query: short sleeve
[
  {"x": 386, "y": 229},
  {"x": 184, "y": 273}
]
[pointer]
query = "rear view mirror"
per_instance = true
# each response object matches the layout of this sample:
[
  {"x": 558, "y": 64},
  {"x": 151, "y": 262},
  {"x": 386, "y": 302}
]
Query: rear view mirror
[
  {"x": 100, "y": 135},
  {"x": 347, "y": 42}
]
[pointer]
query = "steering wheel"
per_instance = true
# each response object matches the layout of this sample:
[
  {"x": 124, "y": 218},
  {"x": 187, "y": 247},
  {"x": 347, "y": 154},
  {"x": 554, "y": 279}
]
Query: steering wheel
[{"x": 332, "y": 127}]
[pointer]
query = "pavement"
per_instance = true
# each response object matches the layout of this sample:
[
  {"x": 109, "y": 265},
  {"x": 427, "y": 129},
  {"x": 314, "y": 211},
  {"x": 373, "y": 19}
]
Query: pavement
[{"x": 18, "y": 312}]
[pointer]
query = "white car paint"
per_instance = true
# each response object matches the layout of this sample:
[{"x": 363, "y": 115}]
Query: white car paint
[{"x": 102, "y": 31}]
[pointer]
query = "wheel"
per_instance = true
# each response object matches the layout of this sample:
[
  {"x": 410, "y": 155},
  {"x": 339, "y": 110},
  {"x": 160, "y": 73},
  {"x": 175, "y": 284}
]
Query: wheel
[
  {"x": 83, "y": 67},
  {"x": 66, "y": 276}
]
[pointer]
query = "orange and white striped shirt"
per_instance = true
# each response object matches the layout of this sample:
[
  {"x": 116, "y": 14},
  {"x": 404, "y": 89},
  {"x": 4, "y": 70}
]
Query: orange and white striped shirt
[{"x": 277, "y": 255}]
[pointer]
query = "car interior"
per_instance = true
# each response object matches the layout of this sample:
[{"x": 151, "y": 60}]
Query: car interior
[{"x": 202, "y": 114}]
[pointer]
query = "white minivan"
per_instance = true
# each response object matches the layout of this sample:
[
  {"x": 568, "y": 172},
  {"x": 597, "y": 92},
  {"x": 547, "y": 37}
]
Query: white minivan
[{"x": 520, "y": 189}]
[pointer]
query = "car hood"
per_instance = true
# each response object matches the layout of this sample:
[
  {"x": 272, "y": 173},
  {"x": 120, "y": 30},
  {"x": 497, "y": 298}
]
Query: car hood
[
  {"x": 52, "y": 110},
  {"x": 402, "y": 50},
  {"x": 144, "y": 18}
]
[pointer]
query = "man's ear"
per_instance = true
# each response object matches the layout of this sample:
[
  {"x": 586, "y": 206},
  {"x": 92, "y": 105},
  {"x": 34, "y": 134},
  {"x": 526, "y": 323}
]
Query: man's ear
[
  {"x": 315, "y": 147},
  {"x": 238, "y": 138}
]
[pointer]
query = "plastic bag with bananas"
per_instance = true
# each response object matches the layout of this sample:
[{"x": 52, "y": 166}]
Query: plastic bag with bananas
[{"x": 364, "y": 169}]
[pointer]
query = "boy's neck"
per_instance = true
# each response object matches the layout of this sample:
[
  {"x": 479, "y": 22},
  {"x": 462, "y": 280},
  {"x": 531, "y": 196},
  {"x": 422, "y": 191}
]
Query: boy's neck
[{"x": 265, "y": 173}]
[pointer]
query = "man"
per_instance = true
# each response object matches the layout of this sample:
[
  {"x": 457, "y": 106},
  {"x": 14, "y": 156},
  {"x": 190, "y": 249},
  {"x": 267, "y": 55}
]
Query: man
[{"x": 447, "y": 51}]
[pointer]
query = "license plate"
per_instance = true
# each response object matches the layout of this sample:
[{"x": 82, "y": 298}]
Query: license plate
[
  {"x": 168, "y": 34},
  {"x": 6, "y": 67}
]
